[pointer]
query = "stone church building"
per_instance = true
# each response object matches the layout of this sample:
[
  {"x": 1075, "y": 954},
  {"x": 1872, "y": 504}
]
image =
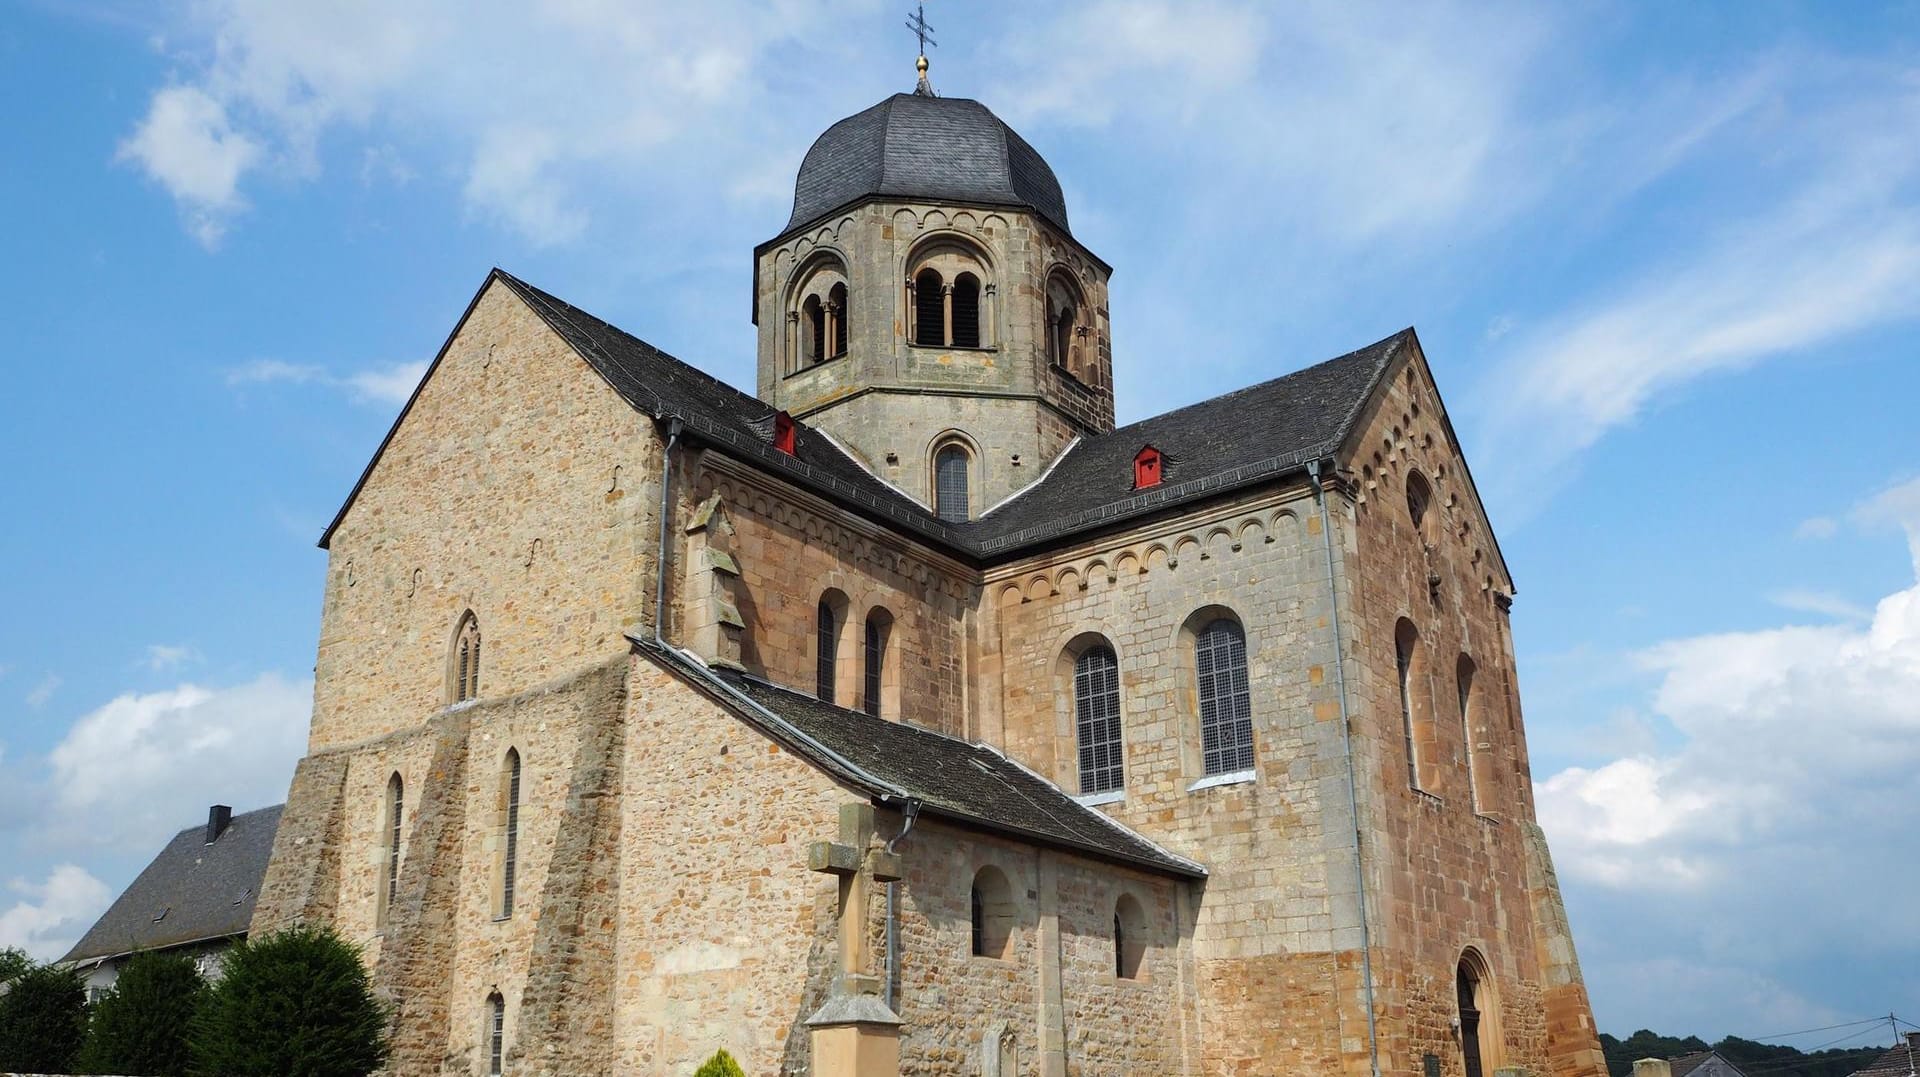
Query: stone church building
[{"x": 907, "y": 716}]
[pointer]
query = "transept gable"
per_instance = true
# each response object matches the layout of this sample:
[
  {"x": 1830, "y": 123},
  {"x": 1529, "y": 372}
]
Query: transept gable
[{"x": 1403, "y": 434}]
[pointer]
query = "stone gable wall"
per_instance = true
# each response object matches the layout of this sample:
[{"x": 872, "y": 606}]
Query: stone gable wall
[
  {"x": 1451, "y": 863},
  {"x": 518, "y": 486},
  {"x": 790, "y": 550}
]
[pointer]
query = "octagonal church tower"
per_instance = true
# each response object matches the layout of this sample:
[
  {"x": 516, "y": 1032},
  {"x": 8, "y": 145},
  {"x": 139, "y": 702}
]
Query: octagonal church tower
[{"x": 928, "y": 306}]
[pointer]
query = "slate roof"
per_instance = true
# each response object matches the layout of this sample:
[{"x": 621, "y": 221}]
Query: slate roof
[
  {"x": 951, "y": 778},
  {"x": 1686, "y": 1064},
  {"x": 914, "y": 146},
  {"x": 205, "y": 891},
  {"x": 1898, "y": 1061}
]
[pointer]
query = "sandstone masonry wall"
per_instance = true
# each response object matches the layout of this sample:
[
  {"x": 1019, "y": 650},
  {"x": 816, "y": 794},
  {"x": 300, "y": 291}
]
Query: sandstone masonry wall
[{"x": 518, "y": 486}]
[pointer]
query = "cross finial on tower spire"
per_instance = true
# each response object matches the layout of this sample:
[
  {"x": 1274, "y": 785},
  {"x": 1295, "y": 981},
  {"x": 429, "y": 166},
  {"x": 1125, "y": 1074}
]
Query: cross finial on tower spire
[{"x": 917, "y": 22}]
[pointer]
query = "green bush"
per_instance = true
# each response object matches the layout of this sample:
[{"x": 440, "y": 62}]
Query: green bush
[
  {"x": 296, "y": 1003},
  {"x": 13, "y": 962},
  {"x": 43, "y": 1016},
  {"x": 141, "y": 1025},
  {"x": 720, "y": 1065}
]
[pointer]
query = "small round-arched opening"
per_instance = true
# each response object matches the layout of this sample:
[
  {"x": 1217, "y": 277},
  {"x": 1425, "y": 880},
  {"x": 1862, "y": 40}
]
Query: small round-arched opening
[
  {"x": 878, "y": 678},
  {"x": 1419, "y": 500},
  {"x": 929, "y": 309},
  {"x": 952, "y": 475},
  {"x": 496, "y": 1033},
  {"x": 829, "y": 621},
  {"x": 1129, "y": 937},
  {"x": 813, "y": 323},
  {"x": 966, "y": 311},
  {"x": 992, "y": 909},
  {"x": 1064, "y": 308},
  {"x": 837, "y": 310}
]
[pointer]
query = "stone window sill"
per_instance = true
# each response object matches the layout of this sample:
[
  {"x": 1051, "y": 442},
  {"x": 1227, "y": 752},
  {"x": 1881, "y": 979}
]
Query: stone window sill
[
  {"x": 811, "y": 367},
  {"x": 1430, "y": 799},
  {"x": 951, "y": 347},
  {"x": 1094, "y": 800},
  {"x": 1490, "y": 818},
  {"x": 1232, "y": 777}
]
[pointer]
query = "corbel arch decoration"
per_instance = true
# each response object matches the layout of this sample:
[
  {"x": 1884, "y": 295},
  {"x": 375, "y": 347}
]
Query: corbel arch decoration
[
  {"x": 950, "y": 293},
  {"x": 817, "y": 311}
]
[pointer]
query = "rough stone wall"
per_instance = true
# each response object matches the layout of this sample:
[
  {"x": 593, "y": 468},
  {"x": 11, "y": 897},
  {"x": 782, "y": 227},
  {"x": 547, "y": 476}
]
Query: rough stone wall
[
  {"x": 518, "y": 486},
  {"x": 1451, "y": 866},
  {"x": 302, "y": 881},
  {"x": 725, "y": 938},
  {"x": 890, "y": 399},
  {"x": 1279, "y": 908},
  {"x": 790, "y": 550}
]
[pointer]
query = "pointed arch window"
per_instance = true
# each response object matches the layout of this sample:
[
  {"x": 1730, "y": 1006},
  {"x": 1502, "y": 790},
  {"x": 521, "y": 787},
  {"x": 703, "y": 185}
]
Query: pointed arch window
[
  {"x": 950, "y": 474},
  {"x": 1226, "y": 702},
  {"x": 466, "y": 659},
  {"x": 1096, "y": 712},
  {"x": 496, "y": 1033},
  {"x": 395, "y": 810},
  {"x": 509, "y": 871},
  {"x": 929, "y": 309}
]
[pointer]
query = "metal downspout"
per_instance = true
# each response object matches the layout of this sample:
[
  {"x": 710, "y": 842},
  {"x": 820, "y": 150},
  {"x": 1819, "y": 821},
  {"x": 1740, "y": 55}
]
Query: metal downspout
[{"x": 1353, "y": 795}]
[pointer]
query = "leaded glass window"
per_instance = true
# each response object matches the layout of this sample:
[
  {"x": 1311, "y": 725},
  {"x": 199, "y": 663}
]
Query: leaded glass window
[
  {"x": 1226, "y": 704},
  {"x": 1096, "y": 711},
  {"x": 950, "y": 483}
]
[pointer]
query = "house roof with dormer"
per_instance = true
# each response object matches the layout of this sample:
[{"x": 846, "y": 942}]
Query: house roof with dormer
[{"x": 194, "y": 891}]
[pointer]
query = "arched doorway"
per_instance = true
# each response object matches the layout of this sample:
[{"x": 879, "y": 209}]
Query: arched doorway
[{"x": 1467, "y": 982}]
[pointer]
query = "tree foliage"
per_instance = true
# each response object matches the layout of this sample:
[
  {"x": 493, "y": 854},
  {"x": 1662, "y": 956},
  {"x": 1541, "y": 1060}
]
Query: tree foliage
[
  {"x": 13, "y": 962},
  {"x": 720, "y": 1065},
  {"x": 296, "y": 1003},
  {"x": 141, "y": 1025},
  {"x": 43, "y": 1016},
  {"x": 1772, "y": 1059}
]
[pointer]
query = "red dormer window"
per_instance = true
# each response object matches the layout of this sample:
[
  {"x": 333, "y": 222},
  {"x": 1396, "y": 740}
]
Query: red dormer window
[
  {"x": 783, "y": 432},
  {"x": 1146, "y": 468}
]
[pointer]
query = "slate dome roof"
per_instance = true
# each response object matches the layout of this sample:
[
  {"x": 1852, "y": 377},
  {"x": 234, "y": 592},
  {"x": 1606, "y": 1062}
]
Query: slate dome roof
[{"x": 916, "y": 146}]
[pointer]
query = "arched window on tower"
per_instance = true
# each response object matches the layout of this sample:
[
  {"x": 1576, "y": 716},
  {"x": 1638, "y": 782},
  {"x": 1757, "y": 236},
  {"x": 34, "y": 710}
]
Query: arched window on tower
[
  {"x": 466, "y": 659},
  {"x": 966, "y": 311},
  {"x": 1063, "y": 327},
  {"x": 1226, "y": 702},
  {"x": 950, "y": 498},
  {"x": 1096, "y": 714},
  {"x": 929, "y": 309},
  {"x": 813, "y": 323},
  {"x": 837, "y": 314}
]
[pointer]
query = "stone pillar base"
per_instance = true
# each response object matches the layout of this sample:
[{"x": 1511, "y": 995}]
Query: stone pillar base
[{"x": 855, "y": 1036}]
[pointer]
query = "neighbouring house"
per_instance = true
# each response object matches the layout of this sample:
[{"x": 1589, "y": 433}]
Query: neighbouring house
[
  {"x": 196, "y": 897},
  {"x": 1697, "y": 1064},
  {"x": 1900, "y": 1060},
  {"x": 910, "y": 716}
]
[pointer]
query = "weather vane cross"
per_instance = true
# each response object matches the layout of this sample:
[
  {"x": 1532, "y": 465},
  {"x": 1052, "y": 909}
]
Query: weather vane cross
[{"x": 917, "y": 22}]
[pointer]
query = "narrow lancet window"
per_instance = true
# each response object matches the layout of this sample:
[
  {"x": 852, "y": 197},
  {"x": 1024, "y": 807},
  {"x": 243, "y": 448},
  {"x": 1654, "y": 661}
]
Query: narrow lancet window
[
  {"x": 875, "y": 654},
  {"x": 826, "y": 641},
  {"x": 510, "y": 837},
  {"x": 466, "y": 660},
  {"x": 496, "y": 1033},
  {"x": 1406, "y": 648},
  {"x": 396, "y": 816}
]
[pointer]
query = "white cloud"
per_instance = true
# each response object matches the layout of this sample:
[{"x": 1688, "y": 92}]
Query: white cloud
[
  {"x": 187, "y": 145},
  {"x": 44, "y": 690},
  {"x": 1825, "y": 603},
  {"x": 162, "y": 657},
  {"x": 126, "y": 774},
  {"x": 389, "y": 384},
  {"x": 1796, "y": 769},
  {"x": 1817, "y": 527},
  {"x": 50, "y": 916}
]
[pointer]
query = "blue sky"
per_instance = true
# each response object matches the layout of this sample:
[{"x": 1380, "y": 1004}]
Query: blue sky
[{"x": 1665, "y": 260}]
